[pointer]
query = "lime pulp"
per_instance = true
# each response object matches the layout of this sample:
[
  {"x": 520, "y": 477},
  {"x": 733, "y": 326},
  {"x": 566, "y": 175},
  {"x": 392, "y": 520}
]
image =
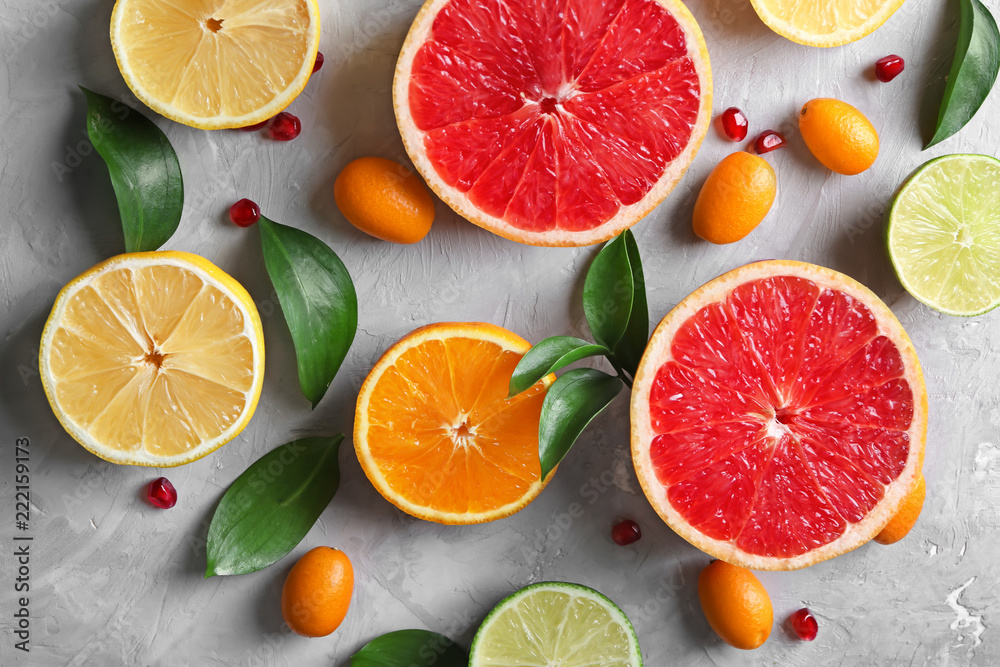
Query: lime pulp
[
  {"x": 944, "y": 234},
  {"x": 556, "y": 625}
]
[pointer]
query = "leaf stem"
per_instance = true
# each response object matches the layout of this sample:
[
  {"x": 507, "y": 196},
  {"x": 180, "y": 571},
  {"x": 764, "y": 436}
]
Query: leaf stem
[{"x": 622, "y": 375}]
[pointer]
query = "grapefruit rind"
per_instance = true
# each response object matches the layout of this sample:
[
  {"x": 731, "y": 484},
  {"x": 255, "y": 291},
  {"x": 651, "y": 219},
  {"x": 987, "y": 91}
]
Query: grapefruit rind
[
  {"x": 789, "y": 30},
  {"x": 210, "y": 275},
  {"x": 626, "y": 217},
  {"x": 658, "y": 353},
  {"x": 440, "y": 331}
]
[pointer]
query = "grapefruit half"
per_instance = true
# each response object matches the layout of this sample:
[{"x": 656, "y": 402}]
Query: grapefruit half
[
  {"x": 779, "y": 416},
  {"x": 553, "y": 122}
]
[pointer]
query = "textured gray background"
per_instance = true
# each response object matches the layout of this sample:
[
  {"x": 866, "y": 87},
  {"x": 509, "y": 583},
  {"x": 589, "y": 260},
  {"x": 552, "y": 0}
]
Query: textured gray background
[{"x": 116, "y": 581}]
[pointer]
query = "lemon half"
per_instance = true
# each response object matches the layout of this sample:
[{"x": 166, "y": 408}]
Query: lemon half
[
  {"x": 215, "y": 64},
  {"x": 153, "y": 358},
  {"x": 825, "y": 22}
]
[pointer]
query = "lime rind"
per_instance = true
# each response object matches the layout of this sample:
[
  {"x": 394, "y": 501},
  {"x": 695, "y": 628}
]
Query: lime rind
[
  {"x": 556, "y": 623},
  {"x": 943, "y": 234}
]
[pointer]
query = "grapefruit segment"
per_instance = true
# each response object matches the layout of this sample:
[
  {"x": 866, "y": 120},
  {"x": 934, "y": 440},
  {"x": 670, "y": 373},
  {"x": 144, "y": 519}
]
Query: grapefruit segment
[
  {"x": 717, "y": 499},
  {"x": 657, "y": 110},
  {"x": 851, "y": 491},
  {"x": 838, "y": 327},
  {"x": 631, "y": 169},
  {"x": 682, "y": 399},
  {"x": 585, "y": 25},
  {"x": 778, "y": 416},
  {"x": 709, "y": 344},
  {"x": 494, "y": 189},
  {"x": 540, "y": 27},
  {"x": 880, "y": 453},
  {"x": 463, "y": 151},
  {"x": 789, "y": 514},
  {"x": 642, "y": 38},
  {"x": 679, "y": 454},
  {"x": 488, "y": 33},
  {"x": 533, "y": 206},
  {"x": 473, "y": 90},
  {"x": 578, "y": 206},
  {"x": 770, "y": 313},
  {"x": 886, "y": 406},
  {"x": 617, "y": 96}
]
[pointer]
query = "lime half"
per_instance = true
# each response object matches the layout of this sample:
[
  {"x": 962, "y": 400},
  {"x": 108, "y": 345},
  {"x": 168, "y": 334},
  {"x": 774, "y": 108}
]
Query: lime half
[
  {"x": 556, "y": 625},
  {"x": 944, "y": 234}
]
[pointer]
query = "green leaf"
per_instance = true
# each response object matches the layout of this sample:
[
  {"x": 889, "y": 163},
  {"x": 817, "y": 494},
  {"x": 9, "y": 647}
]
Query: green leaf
[
  {"x": 570, "y": 405},
  {"x": 318, "y": 299},
  {"x": 272, "y": 505},
  {"x": 144, "y": 169},
  {"x": 628, "y": 353},
  {"x": 410, "y": 648},
  {"x": 614, "y": 301},
  {"x": 549, "y": 356},
  {"x": 973, "y": 71}
]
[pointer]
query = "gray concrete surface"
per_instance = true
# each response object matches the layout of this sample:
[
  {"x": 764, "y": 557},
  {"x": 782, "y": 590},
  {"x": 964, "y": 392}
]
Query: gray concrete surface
[{"x": 115, "y": 581}]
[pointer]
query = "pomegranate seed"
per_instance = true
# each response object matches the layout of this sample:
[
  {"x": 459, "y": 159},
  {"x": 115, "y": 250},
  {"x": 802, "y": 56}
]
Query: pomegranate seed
[
  {"x": 626, "y": 532},
  {"x": 318, "y": 63},
  {"x": 285, "y": 127},
  {"x": 244, "y": 213},
  {"x": 804, "y": 624},
  {"x": 888, "y": 68},
  {"x": 255, "y": 127},
  {"x": 162, "y": 493},
  {"x": 768, "y": 141},
  {"x": 735, "y": 124}
]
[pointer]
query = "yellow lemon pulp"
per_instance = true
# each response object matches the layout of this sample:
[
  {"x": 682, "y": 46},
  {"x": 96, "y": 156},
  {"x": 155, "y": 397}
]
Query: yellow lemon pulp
[
  {"x": 153, "y": 358},
  {"x": 825, "y": 22},
  {"x": 216, "y": 63}
]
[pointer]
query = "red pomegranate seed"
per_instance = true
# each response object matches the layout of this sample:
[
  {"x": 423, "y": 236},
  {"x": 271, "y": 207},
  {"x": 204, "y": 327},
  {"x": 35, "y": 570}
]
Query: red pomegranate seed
[
  {"x": 735, "y": 124},
  {"x": 255, "y": 127},
  {"x": 768, "y": 141},
  {"x": 244, "y": 213},
  {"x": 804, "y": 624},
  {"x": 285, "y": 127},
  {"x": 162, "y": 493},
  {"x": 318, "y": 63},
  {"x": 626, "y": 532},
  {"x": 888, "y": 68}
]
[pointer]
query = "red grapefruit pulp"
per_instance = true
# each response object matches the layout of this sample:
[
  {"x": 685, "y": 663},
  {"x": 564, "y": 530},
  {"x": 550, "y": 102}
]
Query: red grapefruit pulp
[
  {"x": 779, "y": 416},
  {"x": 553, "y": 122}
]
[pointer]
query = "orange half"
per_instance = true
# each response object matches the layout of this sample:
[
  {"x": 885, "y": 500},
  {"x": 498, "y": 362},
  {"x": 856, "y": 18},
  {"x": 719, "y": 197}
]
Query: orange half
[{"x": 436, "y": 433}]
